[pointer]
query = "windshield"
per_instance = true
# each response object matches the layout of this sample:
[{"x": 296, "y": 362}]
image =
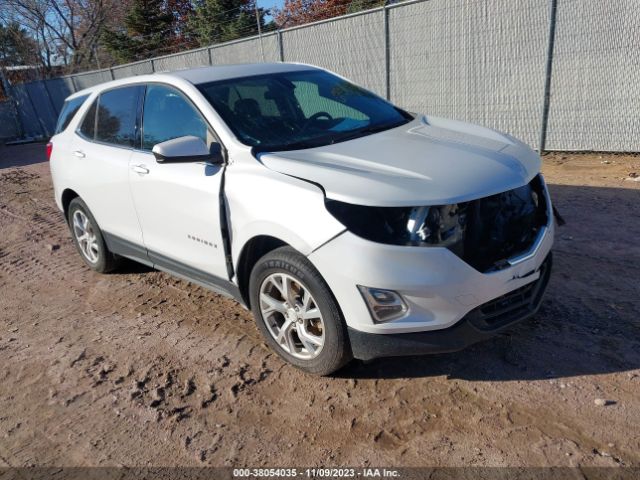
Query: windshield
[{"x": 295, "y": 110}]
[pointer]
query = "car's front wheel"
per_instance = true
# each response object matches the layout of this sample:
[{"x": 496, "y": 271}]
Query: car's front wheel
[
  {"x": 88, "y": 238},
  {"x": 297, "y": 314}
]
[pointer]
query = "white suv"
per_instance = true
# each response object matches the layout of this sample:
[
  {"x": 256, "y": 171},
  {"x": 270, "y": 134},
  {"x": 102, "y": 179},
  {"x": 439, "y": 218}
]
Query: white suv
[{"x": 350, "y": 227}]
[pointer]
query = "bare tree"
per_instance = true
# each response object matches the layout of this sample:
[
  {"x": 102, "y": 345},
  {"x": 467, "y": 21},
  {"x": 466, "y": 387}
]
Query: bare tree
[{"x": 67, "y": 31}]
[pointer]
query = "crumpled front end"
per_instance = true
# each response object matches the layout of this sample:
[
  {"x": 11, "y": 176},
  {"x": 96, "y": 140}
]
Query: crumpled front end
[{"x": 499, "y": 260}]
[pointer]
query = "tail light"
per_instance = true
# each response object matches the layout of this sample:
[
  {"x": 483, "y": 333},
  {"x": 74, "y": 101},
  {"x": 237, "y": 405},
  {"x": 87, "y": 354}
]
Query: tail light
[{"x": 49, "y": 150}]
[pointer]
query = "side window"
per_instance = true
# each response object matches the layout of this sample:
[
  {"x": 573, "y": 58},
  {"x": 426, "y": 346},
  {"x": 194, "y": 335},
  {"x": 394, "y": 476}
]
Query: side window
[
  {"x": 69, "y": 110},
  {"x": 117, "y": 116},
  {"x": 88, "y": 127},
  {"x": 168, "y": 115},
  {"x": 308, "y": 95}
]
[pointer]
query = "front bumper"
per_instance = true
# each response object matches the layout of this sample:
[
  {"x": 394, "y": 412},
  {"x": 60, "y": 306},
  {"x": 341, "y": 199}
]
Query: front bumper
[
  {"x": 439, "y": 288},
  {"x": 481, "y": 323}
]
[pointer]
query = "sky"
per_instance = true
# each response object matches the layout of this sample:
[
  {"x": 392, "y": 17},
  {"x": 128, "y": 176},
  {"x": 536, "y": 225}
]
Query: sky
[{"x": 270, "y": 3}]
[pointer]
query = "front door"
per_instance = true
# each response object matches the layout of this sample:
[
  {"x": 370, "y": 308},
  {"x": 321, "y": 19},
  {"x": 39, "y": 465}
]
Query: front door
[{"x": 177, "y": 203}]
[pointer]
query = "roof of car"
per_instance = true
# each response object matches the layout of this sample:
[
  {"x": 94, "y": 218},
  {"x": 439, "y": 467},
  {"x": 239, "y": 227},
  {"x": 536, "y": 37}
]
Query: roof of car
[
  {"x": 224, "y": 72},
  {"x": 208, "y": 74}
]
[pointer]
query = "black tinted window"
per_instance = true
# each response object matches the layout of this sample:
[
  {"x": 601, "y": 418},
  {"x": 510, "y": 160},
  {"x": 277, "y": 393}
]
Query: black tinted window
[
  {"x": 168, "y": 115},
  {"x": 69, "y": 110},
  {"x": 117, "y": 116},
  {"x": 88, "y": 126}
]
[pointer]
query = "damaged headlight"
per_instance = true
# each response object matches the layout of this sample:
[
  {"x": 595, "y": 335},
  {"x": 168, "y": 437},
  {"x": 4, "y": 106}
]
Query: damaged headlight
[
  {"x": 435, "y": 226},
  {"x": 485, "y": 232}
]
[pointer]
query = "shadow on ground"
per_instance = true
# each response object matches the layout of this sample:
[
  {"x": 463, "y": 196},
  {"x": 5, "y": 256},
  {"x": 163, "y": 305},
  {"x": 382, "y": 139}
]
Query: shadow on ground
[
  {"x": 589, "y": 322},
  {"x": 22, "y": 155},
  {"x": 128, "y": 267}
]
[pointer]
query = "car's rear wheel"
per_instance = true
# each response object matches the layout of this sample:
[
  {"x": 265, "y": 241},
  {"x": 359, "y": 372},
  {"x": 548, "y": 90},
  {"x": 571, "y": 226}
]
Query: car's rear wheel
[
  {"x": 88, "y": 238},
  {"x": 297, "y": 314}
]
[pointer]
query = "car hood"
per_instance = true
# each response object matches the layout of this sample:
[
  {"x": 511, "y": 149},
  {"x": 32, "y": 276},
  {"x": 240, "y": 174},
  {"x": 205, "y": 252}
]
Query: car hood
[{"x": 428, "y": 161}]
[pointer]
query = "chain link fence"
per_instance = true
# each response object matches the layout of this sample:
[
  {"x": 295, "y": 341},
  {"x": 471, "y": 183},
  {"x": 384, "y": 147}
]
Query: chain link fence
[
  {"x": 353, "y": 46},
  {"x": 595, "y": 81},
  {"x": 559, "y": 74}
]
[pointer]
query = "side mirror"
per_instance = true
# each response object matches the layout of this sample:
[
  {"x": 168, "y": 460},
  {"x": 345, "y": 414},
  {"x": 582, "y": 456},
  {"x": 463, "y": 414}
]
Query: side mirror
[{"x": 187, "y": 149}]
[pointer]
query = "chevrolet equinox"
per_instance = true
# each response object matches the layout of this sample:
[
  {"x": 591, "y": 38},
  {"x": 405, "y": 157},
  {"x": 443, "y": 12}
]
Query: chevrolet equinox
[{"x": 348, "y": 226}]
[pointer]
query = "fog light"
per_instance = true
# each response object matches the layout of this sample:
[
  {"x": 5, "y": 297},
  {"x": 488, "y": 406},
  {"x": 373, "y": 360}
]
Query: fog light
[{"x": 384, "y": 305}]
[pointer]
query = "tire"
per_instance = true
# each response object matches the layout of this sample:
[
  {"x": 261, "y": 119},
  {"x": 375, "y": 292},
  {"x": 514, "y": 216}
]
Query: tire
[
  {"x": 98, "y": 257},
  {"x": 299, "y": 344}
]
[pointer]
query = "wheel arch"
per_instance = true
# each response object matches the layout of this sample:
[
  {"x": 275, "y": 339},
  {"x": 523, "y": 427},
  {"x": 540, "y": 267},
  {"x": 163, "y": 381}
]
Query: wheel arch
[
  {"x": 252, "y": 251},
  {"x": 67, "y": 196}
]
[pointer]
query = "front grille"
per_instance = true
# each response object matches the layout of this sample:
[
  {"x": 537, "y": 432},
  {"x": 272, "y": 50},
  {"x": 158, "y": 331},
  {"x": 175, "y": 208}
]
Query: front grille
[
  {"x": 501, "y": 226},
  {"x": 514, "y": 305},
  {"x": 508, "y": 302}
]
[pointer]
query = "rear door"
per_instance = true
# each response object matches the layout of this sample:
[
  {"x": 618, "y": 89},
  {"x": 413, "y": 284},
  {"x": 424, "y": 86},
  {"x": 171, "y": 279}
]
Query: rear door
[
  {"x": 178, "y": 203},
  {"x": 101, "y": 151}
]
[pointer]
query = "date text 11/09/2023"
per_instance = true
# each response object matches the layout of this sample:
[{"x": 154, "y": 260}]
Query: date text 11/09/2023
[{"x": 315, "y": 472}]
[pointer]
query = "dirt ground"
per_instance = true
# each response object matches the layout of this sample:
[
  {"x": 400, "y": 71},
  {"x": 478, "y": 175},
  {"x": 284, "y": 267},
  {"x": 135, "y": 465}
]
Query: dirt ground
[{"x": 138, "y": 368}]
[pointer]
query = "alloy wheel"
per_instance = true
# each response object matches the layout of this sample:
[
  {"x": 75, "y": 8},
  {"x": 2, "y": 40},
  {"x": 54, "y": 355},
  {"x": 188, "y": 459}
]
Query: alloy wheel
[
  {"x": 85, "y": 236},
  {"x": 292, "y": 316}
]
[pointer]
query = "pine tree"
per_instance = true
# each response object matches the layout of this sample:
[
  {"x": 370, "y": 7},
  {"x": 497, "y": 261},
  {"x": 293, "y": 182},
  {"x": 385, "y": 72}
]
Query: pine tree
[
  {"x": 148, "y": 28},
  {"x": 16, "y": 47},
  {"x": 215, "y": 21}
]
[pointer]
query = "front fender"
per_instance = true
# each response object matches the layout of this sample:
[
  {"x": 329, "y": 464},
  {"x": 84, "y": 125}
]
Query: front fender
[{"x": 263, "y": 202}]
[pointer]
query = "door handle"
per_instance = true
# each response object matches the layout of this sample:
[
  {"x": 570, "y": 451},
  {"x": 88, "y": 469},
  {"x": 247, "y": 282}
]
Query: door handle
[
  {"x": 79, "y": 154},
  {"x": 140, "y": 169}
]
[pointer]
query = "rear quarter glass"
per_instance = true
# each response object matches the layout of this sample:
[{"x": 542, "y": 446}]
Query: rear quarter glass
[{"x": 69, "y": 110}]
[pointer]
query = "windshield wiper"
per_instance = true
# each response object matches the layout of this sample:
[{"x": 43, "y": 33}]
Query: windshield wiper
[
  {"x": 329, "y": 139},
  {"x": 310, "y": 143},
  {"x": 371, "y": 129}
]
